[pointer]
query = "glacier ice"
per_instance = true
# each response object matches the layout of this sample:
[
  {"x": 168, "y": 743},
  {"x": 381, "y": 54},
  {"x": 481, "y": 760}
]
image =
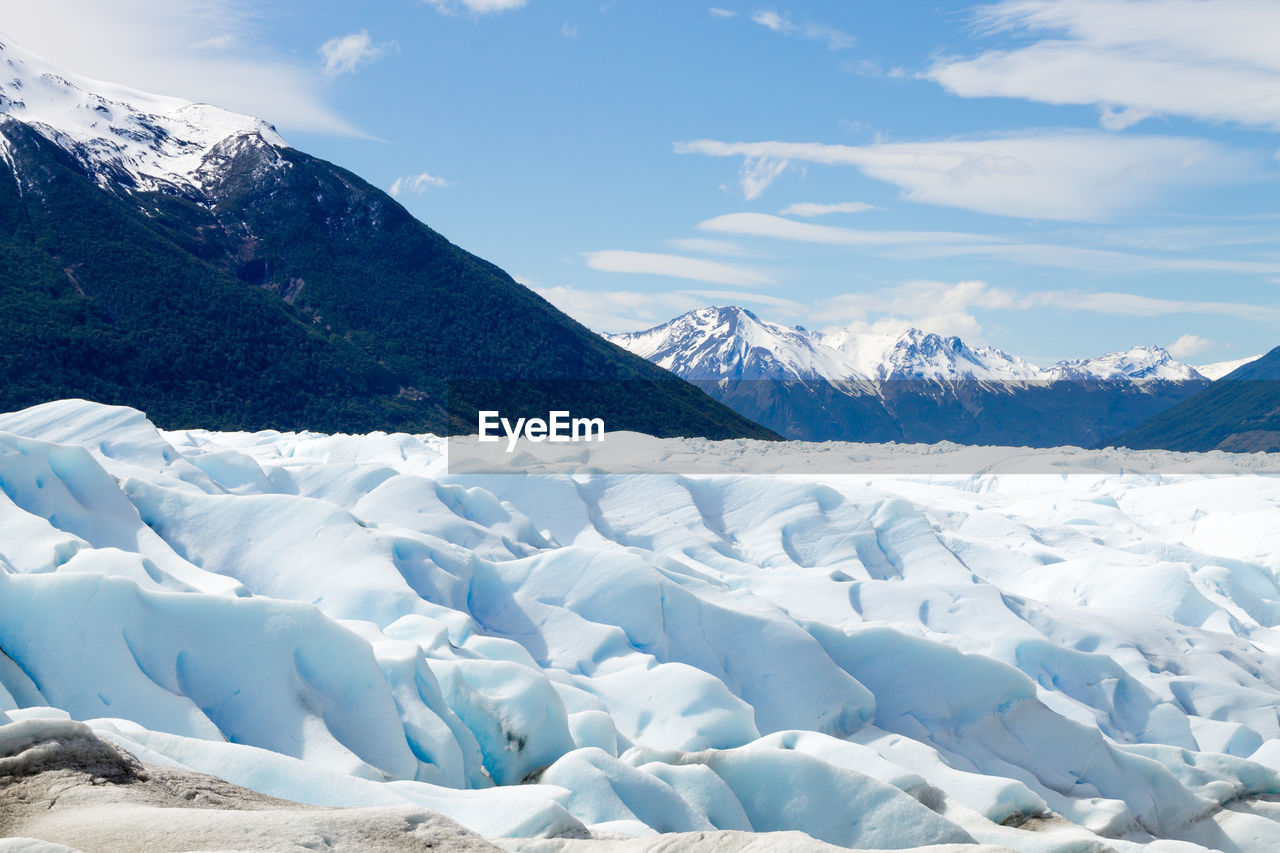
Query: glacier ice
[{"x": 1035, "y": 661}]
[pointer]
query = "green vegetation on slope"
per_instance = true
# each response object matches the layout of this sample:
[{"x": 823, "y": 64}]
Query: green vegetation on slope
[{"x": 301, "y": 298}]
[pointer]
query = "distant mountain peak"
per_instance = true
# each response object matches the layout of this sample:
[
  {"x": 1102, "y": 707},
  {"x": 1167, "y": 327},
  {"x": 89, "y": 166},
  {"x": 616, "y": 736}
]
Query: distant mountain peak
[
  {"x": 730, "y": 342},
  {"x": 122, "y": 135},
  {"x": 1139, "y": 363}
]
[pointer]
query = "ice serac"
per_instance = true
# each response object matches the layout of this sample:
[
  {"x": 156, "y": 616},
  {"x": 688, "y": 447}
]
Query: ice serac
[{"x": 992, "y": 661}]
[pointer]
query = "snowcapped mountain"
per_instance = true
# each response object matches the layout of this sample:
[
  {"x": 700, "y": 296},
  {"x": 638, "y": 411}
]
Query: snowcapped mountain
[
  {"x": 184, "y": 259},
  {"x": 1217, "y": 370},
  {"x": 1142, "y": 363},
  {"x": 915, "y": 386},
  {"x": 924, "y": 355},
  {"x": 733, "y": 343},
  {"x": 121, "y": 135}
]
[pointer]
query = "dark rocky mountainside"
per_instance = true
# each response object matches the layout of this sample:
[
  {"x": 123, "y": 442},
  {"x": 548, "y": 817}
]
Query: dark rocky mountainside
[
  {"x": 1239, "y": 412},
  {"x": 266, "y": 288}
]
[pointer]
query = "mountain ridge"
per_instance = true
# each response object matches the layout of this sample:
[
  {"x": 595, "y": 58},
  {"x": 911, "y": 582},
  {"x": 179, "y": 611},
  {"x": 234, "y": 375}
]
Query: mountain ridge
[
  {"x": 915, "y": 386},
  {"x": 847, "y": 355},
  {"x": 239, "y": 283}
]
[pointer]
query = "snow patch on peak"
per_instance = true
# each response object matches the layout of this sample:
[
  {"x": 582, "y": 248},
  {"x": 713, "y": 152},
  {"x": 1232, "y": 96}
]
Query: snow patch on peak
[
  {"x": 122, "y": 135},
  {"x": 916, "y": 354},
  {"x": 1140, "y": 363},
  {"x": 733, "y": 343},
  {"x": 1217, "y": 370}
]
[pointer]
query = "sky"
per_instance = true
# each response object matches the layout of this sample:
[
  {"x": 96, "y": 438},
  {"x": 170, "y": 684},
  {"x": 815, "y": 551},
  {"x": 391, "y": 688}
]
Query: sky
[{"x": 1058, "y": 178}]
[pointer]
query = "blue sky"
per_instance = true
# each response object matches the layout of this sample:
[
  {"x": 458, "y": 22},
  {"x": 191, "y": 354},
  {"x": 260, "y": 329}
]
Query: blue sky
[{"x": 1058, "y": 178}]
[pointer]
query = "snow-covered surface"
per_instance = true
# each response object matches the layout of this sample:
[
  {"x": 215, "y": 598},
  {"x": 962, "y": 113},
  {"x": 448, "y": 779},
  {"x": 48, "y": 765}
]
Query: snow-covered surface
[
  {"x": 123, "y": 135},
  {"x": 733, "y": 343},
  {"x": 1219, "y": 369},
  {"x": 1043, "y": 662}
]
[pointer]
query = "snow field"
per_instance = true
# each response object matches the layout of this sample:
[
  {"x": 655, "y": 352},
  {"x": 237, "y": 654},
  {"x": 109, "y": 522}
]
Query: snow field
[{"x": 1040, "y": 662}]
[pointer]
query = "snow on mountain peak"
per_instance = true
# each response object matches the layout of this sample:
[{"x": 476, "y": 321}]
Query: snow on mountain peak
[
  {"x": 1136, "y": 364},
  {"x": 121, "y": 134},
  {"x": 733, "y": 343},
  {"x": 1217, "y": 370}
]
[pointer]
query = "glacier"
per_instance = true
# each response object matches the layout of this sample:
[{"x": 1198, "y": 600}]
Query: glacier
[{"x": 981, "y": 657}]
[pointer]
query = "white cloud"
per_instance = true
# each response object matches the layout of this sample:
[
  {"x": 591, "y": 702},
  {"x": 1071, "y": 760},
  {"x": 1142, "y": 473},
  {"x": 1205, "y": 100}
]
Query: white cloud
[
  {"x": 416, "y": 184},
  {"x": 934, "y": 306},
  {"x": 631, "y": 310},
  {"x": 150, "y": 45},
  {"x": 811, "y": 209},
  {"x": 1214, "y": 61},
  {"x": 676, "y": 266},
  {"x": 568, "y": 30},
  {"x": 717, "y": 12},
  {"x": 349, "y": 53},
  {"x": 1089, "y": 260},
  {"x": 1063, "y": 175},
  {"x": 1136, "y": 305},
  {"x": 779, "y": 23},
  {"x": 757, "y": 173},
  {"x": 1188, "y": 345},
  {"x": 955, "y": 244},
  {"x": 775, "y": 227},
  {"x": 219, "y": 42},
  {"x": 478, "y": 7},
  {"x": 619, "y": 310},
  {"x": 706, "y": 246}
]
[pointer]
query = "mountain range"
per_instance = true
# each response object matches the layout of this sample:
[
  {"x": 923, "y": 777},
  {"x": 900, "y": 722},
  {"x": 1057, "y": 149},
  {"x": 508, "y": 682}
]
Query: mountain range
[
  {"x": 915, "y": 386},
  {"x": 1238, "y": 412},
  {"x": 187, "y": 261}
]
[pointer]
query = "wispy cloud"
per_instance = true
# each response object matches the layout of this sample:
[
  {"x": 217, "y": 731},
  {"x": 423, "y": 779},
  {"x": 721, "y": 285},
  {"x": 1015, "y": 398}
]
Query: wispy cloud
[
  {"x": 632, "y": 311},
  {"x": 707, "y": 246},
  {"x": 778, "y": 228},
  {"x": 1068, "y": 176},
  {"x": 946, "y": 308},
  {"x": 1137, "y": 305},
  {"x": 717, "y": 12},
  {"x": 218, "y": 42},
  {"x": 148, "y": 44},
  {"x": 349, "y": 53},
  {"x": 478, "y": 7},
  {"x": 812, "y": 209},
  {"x": 619, "y": 310},
  {"x": 956, "y": 244},
  {"x": 416, "y": 184},
  {"x": 676, "y": 266},
  {"x": 780, "y": 23},
  {"x": 758, "y": 173},
  {"x": 1131, "y": 58}
]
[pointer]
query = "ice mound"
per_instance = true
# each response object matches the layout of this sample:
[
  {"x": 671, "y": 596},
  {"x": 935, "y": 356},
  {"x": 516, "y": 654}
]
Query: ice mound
[{"x": 1035, "y": 662}]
